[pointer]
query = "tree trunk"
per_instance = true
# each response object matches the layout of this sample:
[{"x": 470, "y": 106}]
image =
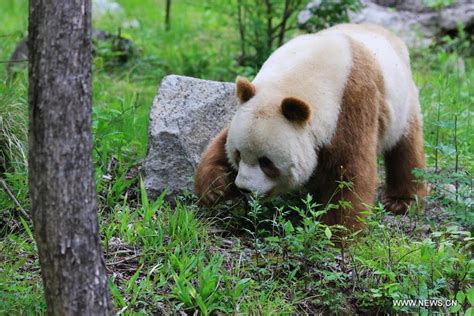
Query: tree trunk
[
  {"x": 61, "y": 178},
  {"x": 167, "y": 15}
]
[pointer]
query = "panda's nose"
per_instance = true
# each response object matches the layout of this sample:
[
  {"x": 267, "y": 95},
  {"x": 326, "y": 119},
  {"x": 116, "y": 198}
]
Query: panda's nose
[
  {"x": 242, "y": 187},
  {"x": 241, "y": 184}
]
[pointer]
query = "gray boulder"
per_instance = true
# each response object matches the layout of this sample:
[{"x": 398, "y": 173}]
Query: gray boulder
[
  {"x": 416, "y": 28},
  {"x": 414, "y": 21},
  {"x": 186, "y": 114}
]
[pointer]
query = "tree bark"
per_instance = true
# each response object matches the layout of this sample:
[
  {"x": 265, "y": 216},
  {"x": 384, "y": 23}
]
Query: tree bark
[{"x": 61, "y": 179}]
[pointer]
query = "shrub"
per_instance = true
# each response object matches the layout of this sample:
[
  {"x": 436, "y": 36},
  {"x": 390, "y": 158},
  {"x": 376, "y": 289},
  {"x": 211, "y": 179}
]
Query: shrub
[{"x": 329, "y": 13}]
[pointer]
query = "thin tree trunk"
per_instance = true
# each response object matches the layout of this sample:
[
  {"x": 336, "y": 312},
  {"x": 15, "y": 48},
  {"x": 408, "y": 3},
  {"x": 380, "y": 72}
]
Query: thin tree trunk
[
  {"x": 241, "y": 23},
  {"x": 61, "y": 179},
  {"x": 284, "y": 19},
  {"x": 269, "y": 12},
  {"x": 167, "y": 16}
]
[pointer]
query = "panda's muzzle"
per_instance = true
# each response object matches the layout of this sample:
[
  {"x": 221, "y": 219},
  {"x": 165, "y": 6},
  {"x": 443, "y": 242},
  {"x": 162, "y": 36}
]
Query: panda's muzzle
[{"x": 251, "y": 179}]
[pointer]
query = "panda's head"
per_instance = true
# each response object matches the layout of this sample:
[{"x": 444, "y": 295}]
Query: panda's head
[{"x": 269, "y": 142}]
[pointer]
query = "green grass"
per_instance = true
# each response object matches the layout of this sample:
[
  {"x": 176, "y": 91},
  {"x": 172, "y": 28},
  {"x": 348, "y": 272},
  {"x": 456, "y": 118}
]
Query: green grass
[{"x": 260, "y": 259}]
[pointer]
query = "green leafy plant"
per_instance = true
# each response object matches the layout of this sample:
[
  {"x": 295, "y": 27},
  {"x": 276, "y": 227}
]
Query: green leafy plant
[
  {"x": 328, "y": 13},
  {"x": 262, "y": 27},
  {"x": 203, "y": 294}
]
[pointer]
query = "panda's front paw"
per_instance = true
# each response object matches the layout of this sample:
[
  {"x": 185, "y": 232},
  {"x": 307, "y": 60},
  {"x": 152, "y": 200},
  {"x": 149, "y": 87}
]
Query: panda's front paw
[
  {"x": 214, "y": 186},
  {"x": 211, "y": 198}
]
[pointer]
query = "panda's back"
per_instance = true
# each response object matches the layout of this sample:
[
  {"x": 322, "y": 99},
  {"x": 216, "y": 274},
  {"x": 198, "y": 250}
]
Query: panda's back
[{"x": 316, "y": 67}]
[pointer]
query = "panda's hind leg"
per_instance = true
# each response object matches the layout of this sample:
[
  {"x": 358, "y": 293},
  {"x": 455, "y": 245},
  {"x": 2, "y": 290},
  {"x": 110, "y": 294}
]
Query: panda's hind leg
[{"x": 402, "y": 188}]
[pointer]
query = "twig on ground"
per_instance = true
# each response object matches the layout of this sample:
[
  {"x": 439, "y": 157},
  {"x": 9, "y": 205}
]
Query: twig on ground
[
  {"x": 13, "y": 198},
  {"x": 123, "y": 260}
]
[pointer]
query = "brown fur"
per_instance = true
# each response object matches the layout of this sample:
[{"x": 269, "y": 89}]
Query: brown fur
[
  {"x": 214, "y": 177},
  {"x": 245, "y": 90},
  {"x": 296, "y": 110},
  {"x": 351, "y": 156},
  {"x": 384, "y": 117}
]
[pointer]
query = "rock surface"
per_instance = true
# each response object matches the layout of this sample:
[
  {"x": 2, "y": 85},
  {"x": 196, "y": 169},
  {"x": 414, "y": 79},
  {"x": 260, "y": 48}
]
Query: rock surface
[
  {"x": 106, "y": 7},
  {"x": 186, "y": 114},
  {"x": 412, "y": 20}
]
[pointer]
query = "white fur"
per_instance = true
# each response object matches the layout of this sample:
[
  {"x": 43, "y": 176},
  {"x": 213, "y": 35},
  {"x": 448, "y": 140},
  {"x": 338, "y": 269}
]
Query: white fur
[{"x": 315, "y": 69}]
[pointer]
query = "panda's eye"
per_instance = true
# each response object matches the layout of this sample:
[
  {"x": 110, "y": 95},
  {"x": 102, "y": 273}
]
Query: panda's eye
[
  {"x": 237, "y": 156},
  {"x": 268, "y": 167}
]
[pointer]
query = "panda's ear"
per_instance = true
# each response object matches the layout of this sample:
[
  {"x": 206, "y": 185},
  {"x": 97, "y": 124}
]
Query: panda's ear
[
  {"x": 245, "y": 90},
  {"x": 296, "y": 110}
]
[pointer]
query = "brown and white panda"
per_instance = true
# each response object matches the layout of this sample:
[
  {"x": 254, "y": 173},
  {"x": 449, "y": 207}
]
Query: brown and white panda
[{"x": 319, "y": 111}]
